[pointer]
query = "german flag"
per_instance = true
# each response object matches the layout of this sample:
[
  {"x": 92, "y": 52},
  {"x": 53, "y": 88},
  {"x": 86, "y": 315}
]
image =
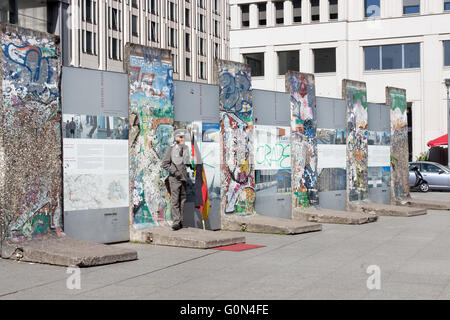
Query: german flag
[{"x": 200, "y": 186}]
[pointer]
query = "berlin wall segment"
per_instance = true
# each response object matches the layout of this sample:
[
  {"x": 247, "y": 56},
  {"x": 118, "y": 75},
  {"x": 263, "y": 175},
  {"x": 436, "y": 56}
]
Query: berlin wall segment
[
  {"x": 396, "y": 100},
  {"x": 301, "y": 87},
  {"x": 236, "y": 139},
  {"x": 150, "y": 77},
  {"x": 30, "y": 134},
  {"x": 355, "y": 95}
]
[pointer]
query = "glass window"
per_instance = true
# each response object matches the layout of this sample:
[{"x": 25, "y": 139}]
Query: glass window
[
  {"x": 153, "y": 8},
  {"x": 114, "y": 53},
  {"x": 324, "y": 60},
  {"x": 187, "y": 42},
  {"x": 447, "y": 5},
  {"x": 447, "y": 53},
  {"x": 88, "y": 10},
  {"x": 187, "y": 18},
  {"x": 188, "y": 67},
  {"x": 262, "y": 14},
  {"x": 333, "y": 9},
  {"x": 297, "y": 10},
  {"x": 134, "y": 3},
  {"x": 412, "y": 165},
  {"x": 245, "y": 15},
  {"x": 134, "y": 25},
  {"x": 412, "y": 55},
  {"x": 399, "y": 56},
  {"x": 428, "y": 167},
  {"x": 372, "y": 8},
  {"x": 89, "y": 42},
  {"x": 288, "y": 61},
  {"x": 372, "y": 58},
  {"x": 411, "y": 6},
  {"x": 279, "y": 15},
  {"x": 256, "y": 63},
  {"x": 391, "y": 57},
  {"x": 315, "y": 10}
]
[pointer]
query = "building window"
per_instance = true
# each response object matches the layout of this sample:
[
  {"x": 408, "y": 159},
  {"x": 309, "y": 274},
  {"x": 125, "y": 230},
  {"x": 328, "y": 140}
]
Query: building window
[
  {"x": 372, "y": 8},
  {"x": 447, "y": 5},
  {"x": 245, "y": 17},
  {"x": 388, "y": 57},
  {"x": 315, "y": 10},
  {"x": 411, "y": 6},
  {"x": 216, "y": 28},
  {"x": 114, "y": 47},
  {"x": 89, "y": 43},
  {"x": 216, "y": 51},
  {"x": 256, "y": 63},
  {"x": 153, "y": 31},
  {"x": 447, "y": 53},
  {"x": 324, "y": 60},
  {"x": 201, "y": 72},
  {"x": 134, "y": 25},
  {"x": 297, "y": 10},
  {"x": 187, "y": 42},
  {"x": 279, "y": 14},
  {"x": 187, "y": 67},
  {"x": 201, "y": 46},
  {"x": 202, "y": 4},
  {"x": 288, "y": 61},
  {"x": 113, "y": 19},
  {"x": 134, "y": 3},
  {"x": 153, "y": 6},
  {"x": 172, "y": 9},
  {"x": 216, "y": 6},
  {"x": 171, "y": 40},
  {"x": 88, "y": 10},
  {"x": 202, "y": 23},
  {"x": 187, "y": 17},
  {"x": 333, "y": 5},
  {"x": 262, "y": 14}
]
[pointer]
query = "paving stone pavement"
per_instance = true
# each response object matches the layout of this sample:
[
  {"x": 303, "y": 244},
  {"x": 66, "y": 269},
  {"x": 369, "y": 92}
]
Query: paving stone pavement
[{"x": 411, "y": 252}]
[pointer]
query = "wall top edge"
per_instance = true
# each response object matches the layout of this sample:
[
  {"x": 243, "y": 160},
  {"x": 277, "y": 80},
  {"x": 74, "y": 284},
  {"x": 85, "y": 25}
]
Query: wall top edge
[{"x": 9, "y": 27}]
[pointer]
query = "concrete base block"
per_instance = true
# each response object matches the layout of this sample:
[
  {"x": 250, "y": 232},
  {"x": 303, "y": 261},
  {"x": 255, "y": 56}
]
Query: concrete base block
[
  {"x": 185, "y": 237},
  {"x": 262, "y": 224},
  {"x": 430, "y": 204},
  {"x": 387, "y": 210},
  {"x": 333, "y": 216},
  {"x": 64, "y": 251}
]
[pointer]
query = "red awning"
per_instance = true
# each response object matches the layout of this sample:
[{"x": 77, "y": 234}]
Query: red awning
[{"x": 441, "y": 141}]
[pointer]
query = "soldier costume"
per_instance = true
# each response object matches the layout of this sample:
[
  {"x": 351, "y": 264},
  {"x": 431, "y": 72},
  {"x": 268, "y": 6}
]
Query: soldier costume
[{"x": 175, "y": 161}]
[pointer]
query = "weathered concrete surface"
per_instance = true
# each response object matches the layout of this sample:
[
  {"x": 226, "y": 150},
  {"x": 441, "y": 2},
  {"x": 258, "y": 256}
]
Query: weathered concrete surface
[
  {"x": 186, "y": 237},
  {"x": 388, "y": 210},
  {"x": 333, "y": 216},
  {"x": 263, "y": 224},
  {"x": 425, "y": 204},
  {"x": 65, "y": 251}
]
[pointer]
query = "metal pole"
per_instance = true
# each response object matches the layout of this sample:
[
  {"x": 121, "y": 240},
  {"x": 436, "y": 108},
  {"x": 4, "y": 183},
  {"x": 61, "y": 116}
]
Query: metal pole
[{"x": 447, "y": 84}]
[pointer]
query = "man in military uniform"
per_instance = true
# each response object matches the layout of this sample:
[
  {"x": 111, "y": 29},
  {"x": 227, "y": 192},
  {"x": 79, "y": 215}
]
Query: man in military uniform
[{"x": 175, "y": 161}]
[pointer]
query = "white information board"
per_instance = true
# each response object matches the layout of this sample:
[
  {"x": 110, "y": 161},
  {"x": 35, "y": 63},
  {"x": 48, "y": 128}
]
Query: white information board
[{"x": 95, "y": 174}]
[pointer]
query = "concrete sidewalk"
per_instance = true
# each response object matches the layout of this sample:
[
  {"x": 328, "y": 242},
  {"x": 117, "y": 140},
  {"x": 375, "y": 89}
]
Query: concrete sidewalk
[{"x": 412, "y": 255}]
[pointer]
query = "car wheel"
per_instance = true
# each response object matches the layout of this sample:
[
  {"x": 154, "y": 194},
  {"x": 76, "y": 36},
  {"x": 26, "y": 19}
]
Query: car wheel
[{"x": 424, "y": 187}]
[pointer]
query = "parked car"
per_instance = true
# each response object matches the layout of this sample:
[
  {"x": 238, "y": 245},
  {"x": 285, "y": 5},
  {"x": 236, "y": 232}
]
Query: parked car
[{"x": 436, "y": 175}]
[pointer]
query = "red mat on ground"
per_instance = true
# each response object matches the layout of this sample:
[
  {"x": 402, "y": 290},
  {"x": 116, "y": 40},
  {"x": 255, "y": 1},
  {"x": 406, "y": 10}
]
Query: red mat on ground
[{"x": 238, "y": 247}]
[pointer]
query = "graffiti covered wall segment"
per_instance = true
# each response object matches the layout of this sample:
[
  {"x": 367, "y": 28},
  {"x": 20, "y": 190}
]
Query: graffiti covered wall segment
[
  {"x": 396, "y": 99},
  {"x": 355, "y": 95},
  {"x": 150, "y": 75},
  {"x": 301, "y": 88},
  {"x": 30, "y": 133},
  {"x": 236, "y": 128}
]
